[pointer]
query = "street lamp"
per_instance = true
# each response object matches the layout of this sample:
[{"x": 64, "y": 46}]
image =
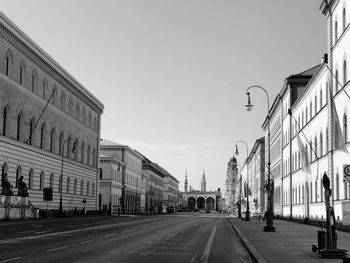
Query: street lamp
[
  {"x": 60, "y": 208},
  {"x": 240, "y": 181},
  {"x": 247, "y": 216},
  {"x": 269, "y": 187}
]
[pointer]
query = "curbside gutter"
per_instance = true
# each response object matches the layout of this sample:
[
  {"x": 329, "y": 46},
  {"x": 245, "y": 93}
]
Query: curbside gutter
[{"x": 255, "y": 255}]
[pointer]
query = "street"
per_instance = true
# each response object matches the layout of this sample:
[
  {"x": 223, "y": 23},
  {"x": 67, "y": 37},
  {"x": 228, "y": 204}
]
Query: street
[{"x": 165, "y": 238}]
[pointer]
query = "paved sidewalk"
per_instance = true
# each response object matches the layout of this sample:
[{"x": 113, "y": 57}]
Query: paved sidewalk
[{"x": 291, "y": 242}]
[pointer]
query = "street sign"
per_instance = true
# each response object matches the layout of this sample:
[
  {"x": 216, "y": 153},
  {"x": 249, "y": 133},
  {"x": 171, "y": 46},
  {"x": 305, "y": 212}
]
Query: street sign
[{"x": 346, "y": 170}]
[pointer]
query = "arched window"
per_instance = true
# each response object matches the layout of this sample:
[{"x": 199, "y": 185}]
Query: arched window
[
  {"x": 321, "y": 144},
  {"x": 316, "y": 199},
  {"x": 335, "y": 31},
  {"x": 315, "y": 104},
  {"x": 321, "y": 191},
  {"x": 18, "y": 174},
  {"x": 95, "y": 124},
  {"x": 31, "y": 131},
  {"x": 5, "y": 120},
  {"x": 101, "y": 173},
  {"x": 63, "y": 101},
  {"x": 84, "y": 115},
  {"x": 315, "y": 148},
  {"x": 345, "y": 78},
  {"x": 88, "y": 155},
  {"x": 310, "y": 110},
  {"x": 75, "y": 186},
  {"x": 345, "y": 127},
  {"x": 52, "y": 180},
  {"x": 306, "y": 116},
  {"x": 42, "y": 180},
  {"x": 311, "y": 154},
  {"x": 311, "y": 193},
  {"x": 68, "y": 185},
  {"x": 60, "y": 180},
  {"x": 75, "y": 149},
  {"x": 31, "y": 177},
  {"x": 87, "y": 188},
  {"x": 344, "y": 19},
  {"x": 81, "y": 187},
  {"x": 89, "y": 120},
  {"x": 77, "y": 111},
  {"x": 93, "y": 190},
  {"x": 42, "y": 136},
  {"x": 61, "y": 146},
  {"x": 22, "y": 71},
  {"x": 20, "y": 124},
  {"x": 327, "y": 146},
  {"x": 321, "y": 98},
  {"x": 337, "y": 186},
  {"x": 69, "y": 147},
  {"x": 53, "y": 139},
  {"x": 54, "y": 90},
  {"x": 8, "y": 63},
  {"x": 44, "y": 89},
  {"x": 94, "y": 157},
  {"x": 70, "y": 105},
  {"x": 34, "y": 80},
  {"x": 336, "y": 81},
  {"x": 82, "y": 152}
]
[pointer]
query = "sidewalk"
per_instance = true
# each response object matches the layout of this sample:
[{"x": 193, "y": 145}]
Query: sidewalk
[{"x": 291, "y": 242}]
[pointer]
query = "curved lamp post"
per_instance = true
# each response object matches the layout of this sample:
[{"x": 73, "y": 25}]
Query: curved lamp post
[
  {"x": 269, "y": 187},
  {"x": 247, "y": 215}
]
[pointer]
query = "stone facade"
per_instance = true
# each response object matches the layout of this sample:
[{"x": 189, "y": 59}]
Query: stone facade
[{"x": 44, "y": 112}]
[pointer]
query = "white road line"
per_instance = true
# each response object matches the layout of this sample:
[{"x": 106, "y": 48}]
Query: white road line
[
  {"x": 206, "y": 252},
  {"x": 130, "y": 252},
  {"x": 54, "y": 249},
  {"x": 110, "y": 235},
  {"x": 41, "y": 232},
  {"x": 147, "y": 252},
  {"x": 10, "y": 259},
  {"x": 24, "y": 232},
  {"x": 128, "y": 231},
  {"x": 88, "y": 241}
]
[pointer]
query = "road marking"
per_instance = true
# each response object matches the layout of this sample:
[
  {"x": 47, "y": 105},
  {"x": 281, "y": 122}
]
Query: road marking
[
  {"x": 10, "y": 259},
  {"x": 55, "y": 249},
  {"x": 206, "y": 252},
  {"x": 128, "y": 231},
  {"x": 147, "y": 252},
  {"x": 24, "y": 232},
  {"x": 88, "y": 241},
  {"x": 41, "y": 232},
  {"x": 130, "y": 252},
  {"x": 194, "y": 258},
  {"x": 110, "y": 235}
]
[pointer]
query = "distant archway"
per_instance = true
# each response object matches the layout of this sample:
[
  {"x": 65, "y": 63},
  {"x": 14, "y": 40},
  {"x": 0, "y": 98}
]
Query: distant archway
[
  {"x": 201, "y": 203},
  {"x": 210, "y": 203},
  {"x": 191, "y": 203}
]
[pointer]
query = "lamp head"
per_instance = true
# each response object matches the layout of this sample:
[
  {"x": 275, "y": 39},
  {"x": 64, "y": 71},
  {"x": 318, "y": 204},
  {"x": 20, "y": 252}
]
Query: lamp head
[
  {"x": 249, "y": 105},
  {"x": 237, "y": 152}
]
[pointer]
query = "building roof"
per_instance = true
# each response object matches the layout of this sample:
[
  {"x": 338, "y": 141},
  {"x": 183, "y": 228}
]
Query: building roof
[{"x": 104, "y": 142}]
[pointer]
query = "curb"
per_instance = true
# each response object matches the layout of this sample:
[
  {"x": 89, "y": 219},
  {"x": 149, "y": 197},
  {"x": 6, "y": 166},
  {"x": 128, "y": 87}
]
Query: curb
[{"x": 255, "y": 255}]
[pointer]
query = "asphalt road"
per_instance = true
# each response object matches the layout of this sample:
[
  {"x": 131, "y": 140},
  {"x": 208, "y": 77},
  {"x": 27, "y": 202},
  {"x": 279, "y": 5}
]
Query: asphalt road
[{"x": 167, "y": 238}]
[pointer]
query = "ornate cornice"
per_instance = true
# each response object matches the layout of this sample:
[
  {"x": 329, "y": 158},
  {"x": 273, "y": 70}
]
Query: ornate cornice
[{"x": 10, "y": 32}]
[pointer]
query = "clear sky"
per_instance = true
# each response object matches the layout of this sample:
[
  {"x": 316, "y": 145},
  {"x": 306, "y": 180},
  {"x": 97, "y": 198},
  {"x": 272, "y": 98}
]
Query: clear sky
[{"x": 172, "y": 74}]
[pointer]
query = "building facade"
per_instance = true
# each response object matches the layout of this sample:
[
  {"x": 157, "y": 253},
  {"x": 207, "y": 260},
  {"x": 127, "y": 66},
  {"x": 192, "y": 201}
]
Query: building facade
[
  {"x": 49, "y": 125},
  {"x": 132, "y": 179}
]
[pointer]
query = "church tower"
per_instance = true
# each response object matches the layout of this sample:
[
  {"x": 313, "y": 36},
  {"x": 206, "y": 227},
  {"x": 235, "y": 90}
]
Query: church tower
[
  {"x": 186, "y": 182},
  {"x": 203, "y": 183}
]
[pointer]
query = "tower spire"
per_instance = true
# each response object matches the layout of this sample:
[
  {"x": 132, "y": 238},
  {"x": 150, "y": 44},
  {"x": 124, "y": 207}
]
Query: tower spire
[
  {"x": 186, "y": 182},
  {"x": 203, "y": 182}
]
